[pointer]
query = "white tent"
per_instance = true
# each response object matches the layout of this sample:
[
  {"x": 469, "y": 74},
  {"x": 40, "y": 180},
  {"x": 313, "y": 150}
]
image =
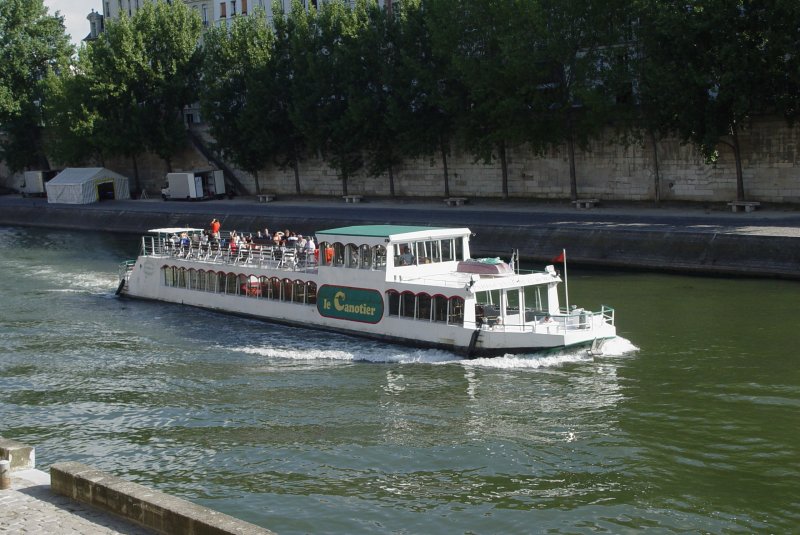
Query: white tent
[{"x": 83, "y": 185}]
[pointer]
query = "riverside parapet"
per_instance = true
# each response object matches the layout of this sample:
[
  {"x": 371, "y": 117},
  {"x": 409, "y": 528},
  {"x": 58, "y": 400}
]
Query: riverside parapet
[{"x": 681, "y": 240}]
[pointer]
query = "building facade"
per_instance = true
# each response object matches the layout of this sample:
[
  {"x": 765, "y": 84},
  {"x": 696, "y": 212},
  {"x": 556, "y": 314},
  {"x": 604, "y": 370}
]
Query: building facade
[{"x": 213, "y": 12}]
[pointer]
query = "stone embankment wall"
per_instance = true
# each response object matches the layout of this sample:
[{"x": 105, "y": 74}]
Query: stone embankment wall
[{"x": 606, "y": 170}]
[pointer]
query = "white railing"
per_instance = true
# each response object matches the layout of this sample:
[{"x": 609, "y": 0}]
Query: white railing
[
  {"x": 581, "y": 320},
  {"x": 261, "y": 256}
]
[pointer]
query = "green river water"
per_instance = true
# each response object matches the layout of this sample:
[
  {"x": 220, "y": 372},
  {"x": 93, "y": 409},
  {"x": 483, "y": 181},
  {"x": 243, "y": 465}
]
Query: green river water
[{"x": 689, "y": 423}]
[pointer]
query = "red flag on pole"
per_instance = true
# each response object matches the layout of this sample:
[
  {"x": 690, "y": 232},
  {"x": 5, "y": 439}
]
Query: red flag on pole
[{"x": 559, "y": 258}]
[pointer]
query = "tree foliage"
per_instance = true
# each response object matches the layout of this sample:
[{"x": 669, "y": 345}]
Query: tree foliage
[
  {"x": 367, "y": 88},
  {"x": 127, "y": 93},
  {"x": 32, "y": 46}
]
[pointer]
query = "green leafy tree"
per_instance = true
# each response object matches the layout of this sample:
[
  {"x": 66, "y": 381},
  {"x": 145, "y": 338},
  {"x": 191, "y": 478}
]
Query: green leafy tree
[
  {"x": 232, "y": 100},
  {"x": 72, "y": 122},
  {"x": 376, "y": 53},
  {"x": 718, "y": 63},
  {"x": 170, "y": 76},
  {"x": 32, "y": 46},
  {"x": 129, "y": 89},
  {"x": 280, "y": 137},
  {"x": 425, "y": 107},
  {"x": 576, "y": 45},
  {"x": 324, "y": 79},
  {"x": 491, "y": 50}
]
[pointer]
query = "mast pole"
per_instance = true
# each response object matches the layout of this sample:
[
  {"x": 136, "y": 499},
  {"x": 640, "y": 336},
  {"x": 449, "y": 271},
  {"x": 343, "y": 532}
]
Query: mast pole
[{"x": 566, "y": 283}]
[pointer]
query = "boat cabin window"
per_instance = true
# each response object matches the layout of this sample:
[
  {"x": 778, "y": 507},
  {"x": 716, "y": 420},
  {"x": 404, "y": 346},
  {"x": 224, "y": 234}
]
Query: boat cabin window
[
  {"x": 423, "y": 307},
  {"x": 379, "y": 257},
  {"x": 429, "y": 251},
  {"x": 351, "y": 255},
  {"x": 338, "y": 254},
  {"x": 365, "y": 257}
]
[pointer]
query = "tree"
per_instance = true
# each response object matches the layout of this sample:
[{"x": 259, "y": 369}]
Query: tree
[
  {"x": 281, "y": 137},
  {"x": 32, "y": 45},
  {"x": 235, "y": 60},
  {"x": 72, "y": 122},
  {"x": 718, "y": 63},
  {"x": 426, "y": 106},
  {"x": 376, "y": 53},
  {"x": 323, "y": 85},
  {"x": 577, "y": 43},
  {"x": 491, "y": 52},
  {"x": 170, "y": 76},
  {"x": 129, "y": 88}
]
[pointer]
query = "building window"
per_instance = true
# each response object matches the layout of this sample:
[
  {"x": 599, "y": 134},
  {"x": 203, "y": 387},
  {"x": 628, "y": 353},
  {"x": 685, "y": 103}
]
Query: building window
[
  {"x": 205, "y": 15},
  {"x": 223, "y": 7},
  {"x": 244, "y": 7},
  {"x": 233, "y": 8}
]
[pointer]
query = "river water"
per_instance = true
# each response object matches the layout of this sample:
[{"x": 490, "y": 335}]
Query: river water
[{"x": 691, "y": 422}]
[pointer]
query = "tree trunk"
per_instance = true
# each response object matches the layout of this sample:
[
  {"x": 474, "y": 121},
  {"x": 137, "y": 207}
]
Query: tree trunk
[
  {"x": 296, "y": 167},
  {"x": 443, "y": 148},
  {"x": 737, "y": 156},
  {"x": 344, "y": 183},
  {"x": 573, "y": 181},
  {"x": 391, "y": 180},
  {"x": 258, "y": 185},
  {"x": 657, "y": 176},
  {"x": 504, "y": 168},
  {"x": 168, "y": 161}
]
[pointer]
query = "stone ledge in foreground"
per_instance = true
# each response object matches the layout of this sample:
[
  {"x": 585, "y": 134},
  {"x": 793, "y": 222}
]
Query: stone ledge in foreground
[{"x": 146, "y": 507}]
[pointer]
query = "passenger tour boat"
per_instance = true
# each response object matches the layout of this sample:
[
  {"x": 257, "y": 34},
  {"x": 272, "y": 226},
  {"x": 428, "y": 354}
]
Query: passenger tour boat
[{"x": 404, "y": 284}]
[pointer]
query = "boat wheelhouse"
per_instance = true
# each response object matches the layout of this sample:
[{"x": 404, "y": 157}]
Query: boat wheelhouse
[{"x": 405, "y": 284}]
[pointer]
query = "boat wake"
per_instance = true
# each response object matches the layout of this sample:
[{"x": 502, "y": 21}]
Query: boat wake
[{"x": 359, "y": 351}]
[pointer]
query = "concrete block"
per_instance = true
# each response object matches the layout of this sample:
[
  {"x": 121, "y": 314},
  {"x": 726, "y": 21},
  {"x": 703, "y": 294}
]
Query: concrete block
[
  {"x": 22, "y": 457},
  {"x": 146, "y": 507}
]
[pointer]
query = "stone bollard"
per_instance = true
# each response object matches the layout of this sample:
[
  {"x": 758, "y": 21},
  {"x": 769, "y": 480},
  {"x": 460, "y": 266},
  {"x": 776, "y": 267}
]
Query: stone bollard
[{"x": 5, "y": 475}]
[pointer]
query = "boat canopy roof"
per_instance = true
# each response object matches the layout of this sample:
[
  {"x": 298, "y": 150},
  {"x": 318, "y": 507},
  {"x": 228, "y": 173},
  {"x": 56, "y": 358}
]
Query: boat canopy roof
[
  {"x": 390, "y": 233},
  {"x": 174, "y": 230}
]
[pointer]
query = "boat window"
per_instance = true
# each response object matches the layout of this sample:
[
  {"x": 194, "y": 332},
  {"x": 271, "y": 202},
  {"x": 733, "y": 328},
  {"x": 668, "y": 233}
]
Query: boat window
[
  {"x": 436, "y": 253},
  {"x": 351, "y": 255},
  {"x": 231, "y": 286},
  {"x": 535, "y": 299},
  {"x": 265, "y": 287},
  {"x": 455, "y": 315},
  {"x": 447, "y": 250},
  {"x": 393, "y": 297},
  {"x": 365, "y": 254},
  {"x": 201, "y": 280},
  {"x": 181, "y": 280},
  {"x": 512, "y": 301},
  {"x": 311, "y": 293},
  {"x": 439, "y": 306},
  {"x": 299, "y": 295},
  {"x": 275, "y": 287},
  {"x": 459, "y": 248},
  {"x": 217, "y": 281},
  {"x": 169, "y": 276},
  {"x": 338, "y": 254},
  {"x": 404, "y": 254},
  {"x": 287, "y": 290},
  {"x": 424, "y": 307},
  {"x": 421, "y": 252},
  {"x": 379, "y": 257},
  {"x": 407, "y": 304}
]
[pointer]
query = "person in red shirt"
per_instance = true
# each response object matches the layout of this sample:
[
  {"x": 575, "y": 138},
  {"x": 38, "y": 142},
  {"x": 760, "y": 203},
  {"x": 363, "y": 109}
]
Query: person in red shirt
[{"x": 215, "y": 228}]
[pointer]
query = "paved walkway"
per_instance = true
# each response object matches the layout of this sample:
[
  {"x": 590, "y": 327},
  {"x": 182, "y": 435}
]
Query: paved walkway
[{"x": 29, "y": 506}]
